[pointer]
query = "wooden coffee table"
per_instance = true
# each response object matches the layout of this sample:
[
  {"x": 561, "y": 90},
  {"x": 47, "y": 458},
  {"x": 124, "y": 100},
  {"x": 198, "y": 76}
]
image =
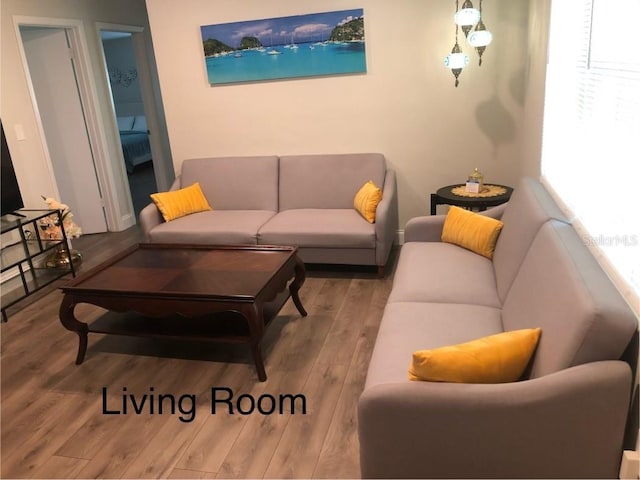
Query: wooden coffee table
[{"x": 222, "y": 293}]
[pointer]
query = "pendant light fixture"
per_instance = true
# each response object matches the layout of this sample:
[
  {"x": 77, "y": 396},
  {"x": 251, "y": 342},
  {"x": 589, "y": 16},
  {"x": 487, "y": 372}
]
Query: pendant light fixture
[
  {"x": 457, "y": 59},
  {"x": 480, "y": 37},
  {"x": 467, "y": 17}
]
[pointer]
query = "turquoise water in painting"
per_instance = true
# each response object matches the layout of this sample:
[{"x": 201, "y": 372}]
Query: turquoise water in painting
[{"x": 308, "y": 59}]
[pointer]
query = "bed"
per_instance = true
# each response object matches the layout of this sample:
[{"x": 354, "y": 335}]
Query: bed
[{"x": 134, "y": 138}]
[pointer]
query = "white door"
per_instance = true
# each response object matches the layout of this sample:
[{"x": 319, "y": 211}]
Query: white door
[{"x": 58, "y": 100}]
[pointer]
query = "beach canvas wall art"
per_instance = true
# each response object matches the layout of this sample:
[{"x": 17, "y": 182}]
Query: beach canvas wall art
[{"x": 329, "y": 43}]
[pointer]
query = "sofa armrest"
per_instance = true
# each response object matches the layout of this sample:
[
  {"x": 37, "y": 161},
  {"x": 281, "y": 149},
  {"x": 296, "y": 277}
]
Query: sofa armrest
[
  {"x": 569, "y": 424},
  {"x": 429, "y": 228},
  {"x": 150, "y": 216},
  {"x": 424, "y": 229},
  {"x": 495, "y": 212},
  {"x": 386, "y": 219}
]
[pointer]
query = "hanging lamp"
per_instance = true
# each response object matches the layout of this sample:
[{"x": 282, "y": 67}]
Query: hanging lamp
[
  {"x": 457, "y": 59},
  {"x": 467, "y": 17},
  {"x": 480, "y": 37}
]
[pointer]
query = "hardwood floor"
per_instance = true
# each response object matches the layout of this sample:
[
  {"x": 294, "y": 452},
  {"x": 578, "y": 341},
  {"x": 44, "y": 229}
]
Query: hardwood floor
[{"x": 53, "y": 425}]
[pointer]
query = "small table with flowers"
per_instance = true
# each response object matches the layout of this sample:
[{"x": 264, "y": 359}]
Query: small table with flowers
[
  {"x": 491, "y": 195},
  {"x": 27, "y": 254}
]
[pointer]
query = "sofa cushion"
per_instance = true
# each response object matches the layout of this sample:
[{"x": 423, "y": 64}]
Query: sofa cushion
[
  {"x": 218, "y": 227},
  {"x": 181, "y": 202},
  {"x": 327, "y": 181},
  {"x": 499, "y": 358},
  {"x": 561, "y": 288},
  {"x": 528, "y": 209},
  {"x": 442, "y": 272},
  {"x": 410, "y": 326},
  {"x": 469, "y": 230},
  {"x": 328, "y": 228},
  {"x": 235, "y": 183},
  {"x": 366, "y": 201}
]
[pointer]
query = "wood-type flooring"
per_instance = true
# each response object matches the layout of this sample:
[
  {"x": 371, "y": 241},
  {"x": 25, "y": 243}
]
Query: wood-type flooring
[{"x": 53, "y": 413}]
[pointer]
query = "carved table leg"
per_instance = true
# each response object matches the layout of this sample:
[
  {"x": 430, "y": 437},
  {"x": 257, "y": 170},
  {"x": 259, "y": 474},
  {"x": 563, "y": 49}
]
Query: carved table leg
[
  {"x": 294, "y": 287},
  {"x": 254, "y": 315},
  {"x": 70, "y": 322},
  {"x": 256, "y": 350}
]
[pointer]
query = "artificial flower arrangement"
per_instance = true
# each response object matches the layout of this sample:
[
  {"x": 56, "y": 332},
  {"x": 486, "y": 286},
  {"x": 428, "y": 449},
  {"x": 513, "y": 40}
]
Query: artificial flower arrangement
[{"x": 50, "y": 225}]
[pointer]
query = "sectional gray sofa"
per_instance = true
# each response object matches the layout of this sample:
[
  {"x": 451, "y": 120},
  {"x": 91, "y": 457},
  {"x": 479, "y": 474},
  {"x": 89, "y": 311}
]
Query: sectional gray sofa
[
  {"x": 302, "y": 200},
  {"x": 565, "y": 418}
]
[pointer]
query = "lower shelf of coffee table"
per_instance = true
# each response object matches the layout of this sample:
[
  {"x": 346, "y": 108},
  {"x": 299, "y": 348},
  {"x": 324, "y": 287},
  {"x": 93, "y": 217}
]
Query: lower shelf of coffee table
[{"x": 223, "y": 326}]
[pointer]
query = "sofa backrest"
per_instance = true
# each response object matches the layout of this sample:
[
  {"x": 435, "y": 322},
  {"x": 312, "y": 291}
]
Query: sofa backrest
[
  {"x": 561, "y": 288},
  {"x": 327, "y": 181},
  {"x": 235, "y": 183},
  {"x": 528, "y": 209}
]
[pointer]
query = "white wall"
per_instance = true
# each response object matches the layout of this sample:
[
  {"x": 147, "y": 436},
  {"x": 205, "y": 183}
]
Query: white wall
[
  {"x": 405, "y": 106},
  {"x": 120, "y": 58}
]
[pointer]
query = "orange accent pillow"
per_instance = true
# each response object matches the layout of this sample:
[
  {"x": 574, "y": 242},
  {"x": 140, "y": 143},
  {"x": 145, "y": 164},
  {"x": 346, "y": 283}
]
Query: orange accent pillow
[
  {"x": 469, "y": 230},
  {"x": 366, "y": 201},
  {"x": 499, "y": 358},
  {"x": 178, "y": 203}
]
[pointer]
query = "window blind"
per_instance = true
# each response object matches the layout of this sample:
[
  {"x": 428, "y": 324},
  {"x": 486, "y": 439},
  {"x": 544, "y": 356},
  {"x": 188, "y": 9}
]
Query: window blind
[{"x": 591, "y": 129}]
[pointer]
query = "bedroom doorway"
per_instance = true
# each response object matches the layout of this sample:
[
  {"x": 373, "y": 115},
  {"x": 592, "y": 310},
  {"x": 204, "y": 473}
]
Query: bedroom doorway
[{"x": 129, "y": 112}]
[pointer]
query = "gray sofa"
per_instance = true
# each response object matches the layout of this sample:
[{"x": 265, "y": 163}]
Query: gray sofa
[
  {"x": 565, "y": 419},
  {"x": 302, "y": 200}
]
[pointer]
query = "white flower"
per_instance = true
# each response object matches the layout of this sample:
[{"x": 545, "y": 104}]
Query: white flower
[{"x": 50, "y": 225}]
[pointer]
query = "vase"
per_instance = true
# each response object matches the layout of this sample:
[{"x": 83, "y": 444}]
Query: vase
[{"x": 60, "y": 258}]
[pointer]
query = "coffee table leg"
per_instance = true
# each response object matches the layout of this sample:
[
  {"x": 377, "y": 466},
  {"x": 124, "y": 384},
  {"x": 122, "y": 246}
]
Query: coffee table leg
[
  {"x": 254, "y": 315},
  {"x": 256, "y": 350},
  {"x": 294, "y": 287},
  {"x": 70, "y": 322}
]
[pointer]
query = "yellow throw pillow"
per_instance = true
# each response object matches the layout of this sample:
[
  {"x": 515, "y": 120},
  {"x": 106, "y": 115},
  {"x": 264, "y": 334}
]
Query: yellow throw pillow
[
  {"x": 499, "y": 358},
  {"x": 471, "y": 231},
  {"x": 366, "y": 201},
  {"x": 178, "y": 203}
]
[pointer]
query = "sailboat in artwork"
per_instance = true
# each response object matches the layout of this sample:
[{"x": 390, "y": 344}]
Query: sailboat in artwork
[
  {"x": 292, "y": 45},
  {"x": 321, "y": 42},
  {"x": 272, "y": 50},
  {"x": 261, "y": 48}
]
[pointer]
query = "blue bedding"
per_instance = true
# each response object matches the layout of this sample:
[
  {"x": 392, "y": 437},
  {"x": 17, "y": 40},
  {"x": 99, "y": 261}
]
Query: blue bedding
[{"x": 135, "y": 147}]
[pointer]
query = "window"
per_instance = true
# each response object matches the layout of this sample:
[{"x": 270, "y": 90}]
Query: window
[{"x": 591, "y": 129}]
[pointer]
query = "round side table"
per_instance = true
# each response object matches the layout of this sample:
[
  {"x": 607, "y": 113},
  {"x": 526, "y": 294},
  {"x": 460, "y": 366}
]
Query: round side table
[{"x": 445, "y": 196}]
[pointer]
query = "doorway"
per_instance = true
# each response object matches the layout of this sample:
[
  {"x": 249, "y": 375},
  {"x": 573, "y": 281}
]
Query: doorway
[
  {"x": 129, "y": 112},
  {"x": 49, "y": 53}
]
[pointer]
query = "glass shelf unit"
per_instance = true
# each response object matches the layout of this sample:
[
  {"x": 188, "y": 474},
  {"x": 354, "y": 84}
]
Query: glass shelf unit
[{"x": 22, "y": 258}]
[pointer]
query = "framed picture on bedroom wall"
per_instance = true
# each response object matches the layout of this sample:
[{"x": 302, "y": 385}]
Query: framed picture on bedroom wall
[{"x": 316, "y": 44}]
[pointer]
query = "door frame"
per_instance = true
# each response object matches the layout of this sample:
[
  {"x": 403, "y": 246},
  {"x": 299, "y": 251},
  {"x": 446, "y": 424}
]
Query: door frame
[{"x": 91, "y": 109}]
